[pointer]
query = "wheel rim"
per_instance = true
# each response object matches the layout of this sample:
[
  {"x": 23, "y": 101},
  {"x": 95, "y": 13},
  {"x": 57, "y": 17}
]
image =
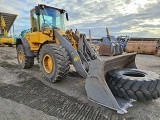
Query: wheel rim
[
  {"x": 48, "y": 63},
  {"x": 20, "y": 56}
]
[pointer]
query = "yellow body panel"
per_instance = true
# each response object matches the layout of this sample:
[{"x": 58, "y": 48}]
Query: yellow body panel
[
  {"x": 35, "y": 39},
  {"x": 7, "y": 40},
  {"x": 70, "y": 37},
  {"x": 39, "y": 37}
]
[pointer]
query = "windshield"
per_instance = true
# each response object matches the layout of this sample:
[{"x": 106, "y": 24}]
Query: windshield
[{"x": 51, "y": 18}]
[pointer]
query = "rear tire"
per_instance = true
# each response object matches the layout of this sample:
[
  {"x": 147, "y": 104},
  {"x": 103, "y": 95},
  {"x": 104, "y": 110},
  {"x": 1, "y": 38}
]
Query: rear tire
[
  {"x": 53, "y": 62},
  {"x": 23, "y": 60},
  {"x": 134, "y": 84},
  {"x": 10, "y": 45}
]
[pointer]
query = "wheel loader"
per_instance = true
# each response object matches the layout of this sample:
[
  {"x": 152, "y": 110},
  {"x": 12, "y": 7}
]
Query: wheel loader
[
  {"x": 56, "y": 49},
  {"x": 6, "y": 21}
]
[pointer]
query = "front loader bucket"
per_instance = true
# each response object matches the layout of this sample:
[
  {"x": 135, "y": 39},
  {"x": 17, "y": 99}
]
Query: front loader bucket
[{"x": 96, "y": 85}]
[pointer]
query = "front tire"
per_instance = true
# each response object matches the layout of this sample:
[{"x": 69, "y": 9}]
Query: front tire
[
  {"x": 23, "y": 60},
  {"x": 53, "y": 62}
]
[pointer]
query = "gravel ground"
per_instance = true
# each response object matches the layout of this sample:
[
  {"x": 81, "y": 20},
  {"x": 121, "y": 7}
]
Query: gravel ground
[{"x": 25, "y": 95}]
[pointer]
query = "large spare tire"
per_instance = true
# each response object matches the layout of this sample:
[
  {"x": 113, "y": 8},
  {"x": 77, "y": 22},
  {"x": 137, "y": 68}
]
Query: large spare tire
[{"x": 134, "y": 84}]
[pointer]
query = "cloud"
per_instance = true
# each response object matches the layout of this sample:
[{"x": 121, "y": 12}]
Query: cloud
[{"x": 129, "y": 17}]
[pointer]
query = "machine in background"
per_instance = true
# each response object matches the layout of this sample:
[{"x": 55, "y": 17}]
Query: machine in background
[{"x": 6, "y": 21}]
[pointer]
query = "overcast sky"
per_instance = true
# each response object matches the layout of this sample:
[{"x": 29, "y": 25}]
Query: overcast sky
[{"x": 136, "y": 18}]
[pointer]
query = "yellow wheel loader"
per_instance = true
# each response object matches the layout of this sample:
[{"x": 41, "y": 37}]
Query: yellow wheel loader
[
  {"x": 6, "y": 21},
  {"x": 55, "y": 49}
]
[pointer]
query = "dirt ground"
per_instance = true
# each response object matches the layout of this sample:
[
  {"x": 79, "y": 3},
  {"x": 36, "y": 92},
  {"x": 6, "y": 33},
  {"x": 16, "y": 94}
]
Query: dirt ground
[{"x": 25, "y": 95}]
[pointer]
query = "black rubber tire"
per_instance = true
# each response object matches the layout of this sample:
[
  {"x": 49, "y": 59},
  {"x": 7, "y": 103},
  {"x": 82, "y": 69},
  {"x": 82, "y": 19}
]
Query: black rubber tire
[
  {"x": 134, "y": 84},
  {"x": 10, "y": 45},
  {"x": 61, "y": 62},
  {"x": 27, "y": 62}
]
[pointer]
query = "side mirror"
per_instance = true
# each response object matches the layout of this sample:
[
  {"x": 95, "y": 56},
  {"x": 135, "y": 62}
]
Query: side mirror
[
  {"x": 37, "y": 10},
  {"x": 67, "y": 17}
]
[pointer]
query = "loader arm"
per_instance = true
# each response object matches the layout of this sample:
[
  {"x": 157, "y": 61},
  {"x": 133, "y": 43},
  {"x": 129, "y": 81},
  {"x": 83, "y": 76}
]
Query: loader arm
[
  {"x": 80, "y": 58},
  {"x": 74, "y": 56}
]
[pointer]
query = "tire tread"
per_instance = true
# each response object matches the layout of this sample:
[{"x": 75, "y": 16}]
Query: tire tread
[
  {"x": 133, "y": 89},
  {"x": 62, "y": 61}
]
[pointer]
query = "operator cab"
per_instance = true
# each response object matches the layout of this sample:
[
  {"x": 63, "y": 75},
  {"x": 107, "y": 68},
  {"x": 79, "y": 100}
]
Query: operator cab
[{"x": 46, "y": 16}]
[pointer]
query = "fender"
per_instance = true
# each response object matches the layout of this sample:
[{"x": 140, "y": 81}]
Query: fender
[{"x": 25, "y": 43}]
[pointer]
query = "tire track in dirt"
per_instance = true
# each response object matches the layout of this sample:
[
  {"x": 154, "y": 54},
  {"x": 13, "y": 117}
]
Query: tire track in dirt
[{"x": 35, "y": 94}]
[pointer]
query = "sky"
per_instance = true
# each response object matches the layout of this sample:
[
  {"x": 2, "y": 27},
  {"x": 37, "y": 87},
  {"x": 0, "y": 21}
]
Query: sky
[{"x": 135, "y": 18}]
